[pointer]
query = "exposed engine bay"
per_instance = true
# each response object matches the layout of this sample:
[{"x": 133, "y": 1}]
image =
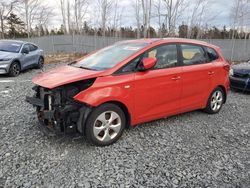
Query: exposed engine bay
[{"x": 57, "y": 111}]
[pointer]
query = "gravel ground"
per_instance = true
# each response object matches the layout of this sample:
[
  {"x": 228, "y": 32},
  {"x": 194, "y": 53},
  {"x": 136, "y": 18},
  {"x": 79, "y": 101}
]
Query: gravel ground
[{"x": 188, "y": 150}]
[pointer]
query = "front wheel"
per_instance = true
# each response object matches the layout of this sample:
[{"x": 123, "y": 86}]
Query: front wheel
[
  {"x": 15, "y": 69},
  {"x": 105, "y": 125},
  {"x": 215, "y": 101}
]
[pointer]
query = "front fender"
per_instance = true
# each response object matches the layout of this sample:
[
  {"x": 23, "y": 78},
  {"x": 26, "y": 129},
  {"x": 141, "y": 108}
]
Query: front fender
[
  {"x": 109, "y": 89},
  {"x": 96, "y": 97}
]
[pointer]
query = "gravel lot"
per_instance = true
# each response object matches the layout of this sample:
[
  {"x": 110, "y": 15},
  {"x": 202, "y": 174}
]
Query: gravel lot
[{"x": 188, "y": 150}]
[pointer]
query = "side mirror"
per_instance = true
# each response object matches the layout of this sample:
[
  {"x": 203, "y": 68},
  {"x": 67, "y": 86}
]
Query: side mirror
[
  {"x": 148, "y": 63},
  {"x": 25, "y": 51}
]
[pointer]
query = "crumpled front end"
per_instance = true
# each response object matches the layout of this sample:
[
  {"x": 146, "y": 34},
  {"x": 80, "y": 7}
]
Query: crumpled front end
[{"x": 57, "y": 111}]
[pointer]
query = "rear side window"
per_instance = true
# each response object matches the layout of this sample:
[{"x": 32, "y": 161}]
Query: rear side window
[
  {"x": 32, "y": 47},
  {"x": 212, "y": 54},
  {"x": 193, "y": 54}
]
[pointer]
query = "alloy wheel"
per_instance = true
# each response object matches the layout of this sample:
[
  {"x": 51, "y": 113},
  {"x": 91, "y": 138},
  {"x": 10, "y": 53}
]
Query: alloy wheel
[
  {"x": 216, "y": 100},
  {"x": 107, "y": 126},
  {"x": 15, "y": 69},
  {"x": 40, "y": 63}
]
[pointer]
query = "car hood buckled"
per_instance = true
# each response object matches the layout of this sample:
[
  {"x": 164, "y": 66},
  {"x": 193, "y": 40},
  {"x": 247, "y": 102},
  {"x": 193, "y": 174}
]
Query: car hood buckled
[{"x": 64, "y": 75}]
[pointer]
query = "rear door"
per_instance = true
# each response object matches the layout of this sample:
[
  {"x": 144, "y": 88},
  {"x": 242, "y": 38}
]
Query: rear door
[
  {"x": 33, "y": 54},
  {"x": 26, "y": 59},
  {"x": 157, "y": 92},
  {"x": 196, "y": 76}
]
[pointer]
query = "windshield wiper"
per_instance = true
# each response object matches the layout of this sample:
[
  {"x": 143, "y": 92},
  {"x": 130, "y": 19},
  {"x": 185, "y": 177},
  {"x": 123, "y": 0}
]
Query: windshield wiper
[
  {"x": 82, "y": 67},
  {"x": 4, "y": 50},
  {"x": 72, "y": 63}
]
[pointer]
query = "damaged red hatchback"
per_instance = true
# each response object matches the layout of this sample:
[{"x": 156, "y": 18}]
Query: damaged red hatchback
[{"x": 129, "y": 83}]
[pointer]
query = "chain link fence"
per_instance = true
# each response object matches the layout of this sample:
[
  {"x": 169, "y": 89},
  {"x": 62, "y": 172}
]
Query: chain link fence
[{"x": 235, "y": 50}]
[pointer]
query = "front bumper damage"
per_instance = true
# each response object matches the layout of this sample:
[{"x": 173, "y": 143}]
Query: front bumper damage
[{"x": 57, "y": 111}]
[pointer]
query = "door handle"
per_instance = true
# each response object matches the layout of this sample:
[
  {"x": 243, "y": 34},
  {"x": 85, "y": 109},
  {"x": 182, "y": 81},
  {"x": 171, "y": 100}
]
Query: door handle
[
  {"x": 176, "y": 78},
  {"x": 210, "y": 72}
]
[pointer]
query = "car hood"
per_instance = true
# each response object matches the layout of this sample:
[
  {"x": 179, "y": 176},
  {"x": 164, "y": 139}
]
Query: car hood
[
  {"x": 64, "y": 75},
  {"x": 7, "y": 55},
  {"x": 243, "y": 68}
]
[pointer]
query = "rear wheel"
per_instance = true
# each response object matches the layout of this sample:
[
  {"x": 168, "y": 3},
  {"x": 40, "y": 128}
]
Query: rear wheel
[
  {"x": 105, "y": 125},
  {"x": 40, "y": 63},
  {"x": 215, "y": 101},
  {"x": 15, "y": 69}
]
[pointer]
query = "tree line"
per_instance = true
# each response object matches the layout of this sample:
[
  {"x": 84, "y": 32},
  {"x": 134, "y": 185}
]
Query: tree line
[{"x": 148, "y": 18}]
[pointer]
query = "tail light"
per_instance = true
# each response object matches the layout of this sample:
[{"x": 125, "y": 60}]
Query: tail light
[{"x": 226, "y": 67}]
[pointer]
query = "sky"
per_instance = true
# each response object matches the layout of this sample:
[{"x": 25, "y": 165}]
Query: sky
[{"x": 220, "y": 9}]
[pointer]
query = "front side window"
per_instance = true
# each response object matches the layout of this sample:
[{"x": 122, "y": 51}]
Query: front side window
[
  {"x": 26, "y": 47},
  {"x": 193, "y": 55},
  {"x": 131, "y": 66},
  {"x": 110, "y": 56},
  {"x": 166, "y": 56}
]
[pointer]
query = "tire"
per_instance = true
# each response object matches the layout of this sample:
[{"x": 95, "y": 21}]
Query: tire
[
  {"x": 215, "y": 101},
  {"x": 105, "y": 125},
  {"x": 15, "y": 69},
  {"x": 40, "y": 63}
]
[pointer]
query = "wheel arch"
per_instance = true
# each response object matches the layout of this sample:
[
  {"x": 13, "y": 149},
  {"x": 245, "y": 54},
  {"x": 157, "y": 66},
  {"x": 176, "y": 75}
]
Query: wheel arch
[
  {"x": 41, "y": 56},
  {"x": 17, "y": 61},
  {"x": 224, "y": 92},
  {"x": 87, "y": 110},
  {"x": 124, "y": 109}
]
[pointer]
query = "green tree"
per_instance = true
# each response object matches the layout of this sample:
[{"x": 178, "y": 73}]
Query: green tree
[
  {"x": 183, "y": 31},
  {"x": 164, "y": 30},
  {"x": 225, "y": 33},
  {"x": 61, "y": 30},
  {"x": 15, "y": 26}
]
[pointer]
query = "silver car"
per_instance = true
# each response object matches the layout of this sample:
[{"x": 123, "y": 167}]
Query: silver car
[{"x": 16, "y": 56}]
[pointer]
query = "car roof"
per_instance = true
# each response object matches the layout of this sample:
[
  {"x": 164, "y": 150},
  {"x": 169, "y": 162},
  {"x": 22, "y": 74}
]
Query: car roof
[
  {"x": 192, "y": 41},
  {"x": 18, "y": 41},
  {"x": 169, "y": 40},
  {"x": 147, "y": 41}
]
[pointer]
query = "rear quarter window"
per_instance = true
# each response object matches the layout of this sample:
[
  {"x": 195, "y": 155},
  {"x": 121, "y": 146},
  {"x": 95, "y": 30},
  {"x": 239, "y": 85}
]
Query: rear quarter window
[
  {"x": 212, "y": 54},
  {"x": 32, "y": 47}
]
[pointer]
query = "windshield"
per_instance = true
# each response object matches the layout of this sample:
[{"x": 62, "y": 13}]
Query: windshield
[
  {"x": 110, "y": 56},
  {"x": 9, "y": 46}
]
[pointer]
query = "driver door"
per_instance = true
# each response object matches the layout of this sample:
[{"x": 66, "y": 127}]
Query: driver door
[
  {"x": 157, "y": 92},
  {"x": 26, "y": 59}
]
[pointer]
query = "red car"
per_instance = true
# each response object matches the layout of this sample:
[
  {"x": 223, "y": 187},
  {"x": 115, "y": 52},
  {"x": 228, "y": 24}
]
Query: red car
[{"x": 129, "y": 83}]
